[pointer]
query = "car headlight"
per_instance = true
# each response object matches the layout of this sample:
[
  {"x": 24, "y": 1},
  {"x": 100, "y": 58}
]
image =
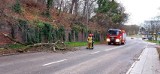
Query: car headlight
[
  {"x": 108, "y": 40},
  {"x": 117, "y": 40}
]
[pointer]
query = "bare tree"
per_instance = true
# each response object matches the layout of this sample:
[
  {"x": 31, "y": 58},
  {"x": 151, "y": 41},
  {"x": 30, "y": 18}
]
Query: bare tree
[
  {"x": 74, "y": 6},
  {"x": 157, "y": 26},
  {"x": 60, "y": 7},
  {"x": 132, "y": 29},
  {"x": 66, "y": 6},
  {"x": 152, "y": 27}
]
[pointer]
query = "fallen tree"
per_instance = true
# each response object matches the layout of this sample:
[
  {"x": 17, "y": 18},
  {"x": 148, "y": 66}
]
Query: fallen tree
[
  {"x": 6, "y": 35},
  {"x": 53, "y": 46}
]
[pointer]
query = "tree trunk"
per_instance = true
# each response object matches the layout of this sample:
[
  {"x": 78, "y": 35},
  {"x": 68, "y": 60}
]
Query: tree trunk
[
  {"x": 84, "y": 8},
  {"x": 6, "y": 35},
  {"x": 76, "y": 7},
  {"x": 71, "y": 9},
  {"x": 60, "y": 7}
]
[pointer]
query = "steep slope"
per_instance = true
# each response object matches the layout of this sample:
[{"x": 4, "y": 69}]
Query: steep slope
[{"x": 33, "y": 13}]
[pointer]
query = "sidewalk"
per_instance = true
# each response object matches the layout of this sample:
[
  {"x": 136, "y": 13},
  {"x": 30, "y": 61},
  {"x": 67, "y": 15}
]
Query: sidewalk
[{"x": 148, "y": 63}]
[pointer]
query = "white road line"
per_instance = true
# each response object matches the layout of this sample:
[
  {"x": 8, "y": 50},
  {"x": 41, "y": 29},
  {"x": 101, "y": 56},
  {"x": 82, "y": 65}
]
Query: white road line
[
  {"x": 113, "y": 48},
  {"x": 54, "y": 62},
  {"x": 128, "y": 72},
  {"x": 95, "y": 52},
  {"x": 118, "y": 47}
]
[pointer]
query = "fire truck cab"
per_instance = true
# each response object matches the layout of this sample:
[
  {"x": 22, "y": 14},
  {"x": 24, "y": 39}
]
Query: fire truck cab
[{"x": 116, "y": 36}]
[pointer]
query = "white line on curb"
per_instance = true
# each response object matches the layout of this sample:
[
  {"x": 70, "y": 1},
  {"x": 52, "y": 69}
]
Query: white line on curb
[
  {"x": 128, "y": 72},
  {"x": 54, "y": 62},
  {"x": 95, "y": 52}
]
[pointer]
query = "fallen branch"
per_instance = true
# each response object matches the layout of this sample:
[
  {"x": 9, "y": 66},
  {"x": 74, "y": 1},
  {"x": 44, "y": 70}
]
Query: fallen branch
[
  {"x": 6, "y": 35},
  {"x": 53, "y": 46}
]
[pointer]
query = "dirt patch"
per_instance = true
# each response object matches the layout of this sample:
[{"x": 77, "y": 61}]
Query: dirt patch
[{"x": 4, "y": 52}]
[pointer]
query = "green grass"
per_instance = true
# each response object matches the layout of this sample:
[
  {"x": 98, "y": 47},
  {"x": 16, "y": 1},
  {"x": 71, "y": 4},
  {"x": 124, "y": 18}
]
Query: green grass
[
  {"x": 154, "y": 41},
  {"x": 78, "y": 44},
  {"x": 16, "y": 46}
]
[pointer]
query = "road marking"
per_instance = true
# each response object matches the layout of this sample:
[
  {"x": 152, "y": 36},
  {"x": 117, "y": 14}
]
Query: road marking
[
  {"x": 118, "y": 47},
  {"x": 54, "y": 62},
  {"x": 128, "y": 72},
  {"x": 95, "y": 52},
  {"x": 113, "y": 48}
]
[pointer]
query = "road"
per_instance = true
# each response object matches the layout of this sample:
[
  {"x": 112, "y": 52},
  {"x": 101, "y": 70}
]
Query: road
[{"x": 104, "y": 59}]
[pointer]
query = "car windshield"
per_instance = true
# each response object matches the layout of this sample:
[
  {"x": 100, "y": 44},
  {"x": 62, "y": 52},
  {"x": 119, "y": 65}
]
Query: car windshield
[{"x": 113, "y": 32}]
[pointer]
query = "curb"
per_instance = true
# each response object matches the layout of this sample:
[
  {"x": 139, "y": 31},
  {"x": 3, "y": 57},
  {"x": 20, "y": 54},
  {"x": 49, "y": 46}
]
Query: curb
[{"x": 133, "y": 65}]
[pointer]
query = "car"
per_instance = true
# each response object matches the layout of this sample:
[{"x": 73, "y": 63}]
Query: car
[
  {"x": 150, "y": 37},
  {"x": 144, "y": 37}
]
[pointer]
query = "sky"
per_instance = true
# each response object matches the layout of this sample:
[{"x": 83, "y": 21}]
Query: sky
[{"x": 140, "y": 10}]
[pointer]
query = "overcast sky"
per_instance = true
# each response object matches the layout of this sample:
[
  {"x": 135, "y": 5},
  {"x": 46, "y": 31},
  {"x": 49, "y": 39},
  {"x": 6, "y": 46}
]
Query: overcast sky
[{"x": 141, "y": 10}]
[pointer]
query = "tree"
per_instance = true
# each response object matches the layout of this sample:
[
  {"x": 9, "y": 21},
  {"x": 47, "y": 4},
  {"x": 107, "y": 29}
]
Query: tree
[
  {"x": 60, "y": 7},
  {"x": 85, "y": 7},
  {"x": 152, "y": 26},
  {"x": 74, "y": 7},
  {"x": 103, "y": 6},
  {"x": 132, "y": 29},
  {"x": 88, "y": 8},
  {"x": 113, "y": 9},
  {"x": 49, "y": 5},
  {"x": 17, "y": 7}
]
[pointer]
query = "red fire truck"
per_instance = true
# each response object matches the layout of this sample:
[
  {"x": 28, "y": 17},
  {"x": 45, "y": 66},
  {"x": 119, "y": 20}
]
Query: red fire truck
[{"x": 116, "y": 36}]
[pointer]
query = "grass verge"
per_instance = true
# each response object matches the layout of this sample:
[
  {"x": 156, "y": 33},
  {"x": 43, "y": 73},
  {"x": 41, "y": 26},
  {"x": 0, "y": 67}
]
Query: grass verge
[
  {"x": 78, "y": 44},
  {"x": 16, "y": 46},
  {"x": 154, "y": 41},
  {"x": 11, "y": 49}
]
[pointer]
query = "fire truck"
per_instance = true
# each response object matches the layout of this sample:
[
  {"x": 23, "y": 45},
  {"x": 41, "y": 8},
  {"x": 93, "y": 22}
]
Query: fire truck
[{"x": 116, "y": 36}]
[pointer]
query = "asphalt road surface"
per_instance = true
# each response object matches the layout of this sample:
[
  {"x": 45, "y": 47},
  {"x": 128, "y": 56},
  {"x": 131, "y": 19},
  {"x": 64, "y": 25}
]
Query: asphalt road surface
[{"x": 104, "y": 59}]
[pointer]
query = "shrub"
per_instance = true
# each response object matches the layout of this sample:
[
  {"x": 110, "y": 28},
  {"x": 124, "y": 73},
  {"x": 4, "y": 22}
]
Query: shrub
[
  {"x": 44, "y": 31},
  {"x": 47, "y": 32},
  {"x": 60, "y": 33},
  {"x": 17, "y": 7},
  {"x": 28, "y": 32}
]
